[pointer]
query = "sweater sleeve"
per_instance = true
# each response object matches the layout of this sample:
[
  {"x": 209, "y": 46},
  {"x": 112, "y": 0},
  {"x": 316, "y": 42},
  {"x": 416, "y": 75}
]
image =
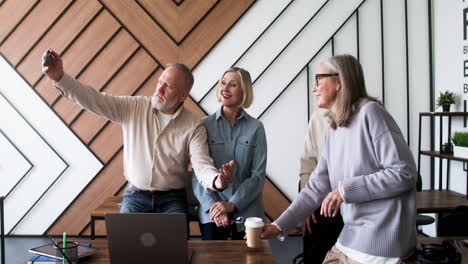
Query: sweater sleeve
[
  {"x": 310, "y": 197},
  {"x": 397, "y": 172}
]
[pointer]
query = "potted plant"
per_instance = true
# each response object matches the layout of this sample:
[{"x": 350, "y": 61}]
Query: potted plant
[
  {"x": 446, "y": 99},
  {"x": 460, "y": 140}
]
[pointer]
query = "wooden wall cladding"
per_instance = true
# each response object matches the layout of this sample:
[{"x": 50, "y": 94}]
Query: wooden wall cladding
[{"x": 118, "y": 47}]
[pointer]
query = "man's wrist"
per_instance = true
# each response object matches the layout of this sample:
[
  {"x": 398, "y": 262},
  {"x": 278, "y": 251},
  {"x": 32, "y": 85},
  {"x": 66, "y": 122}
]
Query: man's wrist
[{"x": 214, "y": 185}]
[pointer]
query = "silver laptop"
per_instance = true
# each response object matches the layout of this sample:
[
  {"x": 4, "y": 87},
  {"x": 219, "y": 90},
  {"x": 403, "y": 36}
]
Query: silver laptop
[{"x": 147, "y": 238}]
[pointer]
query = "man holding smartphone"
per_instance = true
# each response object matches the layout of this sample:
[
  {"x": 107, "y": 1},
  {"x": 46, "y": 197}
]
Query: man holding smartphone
[{"x": 160, "y": 135}]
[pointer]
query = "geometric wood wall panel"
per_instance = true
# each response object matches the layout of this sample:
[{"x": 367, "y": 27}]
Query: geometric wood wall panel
[
  {"x": 118, "y": 47},
  {"x": 121, "y": 47}
]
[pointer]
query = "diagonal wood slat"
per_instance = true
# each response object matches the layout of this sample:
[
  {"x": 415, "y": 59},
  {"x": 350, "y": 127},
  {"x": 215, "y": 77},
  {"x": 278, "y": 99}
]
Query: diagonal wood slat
[
  {"x": 123, "y": 45},
  {"x": 76, "y": 217},
  {"x": 176, "y": 20},
  {"x": 81, "y": 52},
  {"x": 14, "y": 12},
  {"x": 35, "y": 24},
  {"x": 59, "y": 36}
]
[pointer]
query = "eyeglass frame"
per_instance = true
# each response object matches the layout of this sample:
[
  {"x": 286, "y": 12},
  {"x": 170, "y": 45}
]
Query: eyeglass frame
[{"x": 321, "y": 75}]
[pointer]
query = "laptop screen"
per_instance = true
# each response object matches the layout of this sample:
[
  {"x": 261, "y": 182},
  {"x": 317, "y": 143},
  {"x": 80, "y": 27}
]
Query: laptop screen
[{"x": 141, "y": 237}]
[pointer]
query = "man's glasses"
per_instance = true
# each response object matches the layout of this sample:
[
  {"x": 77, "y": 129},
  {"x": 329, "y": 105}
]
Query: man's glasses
[{"x": 319, "y": 76}]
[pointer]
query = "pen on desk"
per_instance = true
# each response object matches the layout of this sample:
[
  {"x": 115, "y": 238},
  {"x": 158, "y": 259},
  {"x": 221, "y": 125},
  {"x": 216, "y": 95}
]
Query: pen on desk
[{"x": 64, "y": 246}]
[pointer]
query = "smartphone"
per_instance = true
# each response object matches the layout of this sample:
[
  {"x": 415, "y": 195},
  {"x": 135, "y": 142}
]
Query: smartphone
[{"x": 46, "y": 58}]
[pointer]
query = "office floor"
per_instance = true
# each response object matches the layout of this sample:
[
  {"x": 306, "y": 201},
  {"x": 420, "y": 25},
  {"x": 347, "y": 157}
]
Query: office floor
[{"x": 17, "y": 248}]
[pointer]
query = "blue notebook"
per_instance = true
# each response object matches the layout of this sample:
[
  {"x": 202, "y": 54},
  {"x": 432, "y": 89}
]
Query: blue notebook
[{"x": 40, "y": 259}]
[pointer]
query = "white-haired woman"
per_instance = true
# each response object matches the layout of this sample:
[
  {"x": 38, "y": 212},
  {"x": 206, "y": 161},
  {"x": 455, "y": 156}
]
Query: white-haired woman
[
  {"x": 366, "y": 170},
  {"x": 233, "y": 135}
]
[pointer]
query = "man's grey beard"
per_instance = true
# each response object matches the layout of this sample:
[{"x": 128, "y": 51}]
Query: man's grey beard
[{"x": 161, "y": 106}]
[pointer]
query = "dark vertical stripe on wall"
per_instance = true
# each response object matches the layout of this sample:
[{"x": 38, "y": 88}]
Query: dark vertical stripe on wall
[
  {"x": 382, "y": 51},
  {"x": 407, "y": 75},
  {"x": 431, "y": 72},
  {"x": 308, "y": 92},
  {"x": 357, "y": 34},
  {"x": 2, "y": 231},
  {"x": 431, "y": 89}
]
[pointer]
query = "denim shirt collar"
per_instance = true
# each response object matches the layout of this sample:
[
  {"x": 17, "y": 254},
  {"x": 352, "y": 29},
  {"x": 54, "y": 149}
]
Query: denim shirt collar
[{"x": 219, "y": 114}]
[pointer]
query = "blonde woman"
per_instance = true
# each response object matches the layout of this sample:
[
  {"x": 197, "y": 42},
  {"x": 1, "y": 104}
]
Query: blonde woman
[
  {"x": 366, "y": 171},
  {"x": 233, "y": 135}
]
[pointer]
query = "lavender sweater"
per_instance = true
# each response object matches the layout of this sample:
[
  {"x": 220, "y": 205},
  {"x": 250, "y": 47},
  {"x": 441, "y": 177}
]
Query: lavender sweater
[{"x": 373, "y": 162}]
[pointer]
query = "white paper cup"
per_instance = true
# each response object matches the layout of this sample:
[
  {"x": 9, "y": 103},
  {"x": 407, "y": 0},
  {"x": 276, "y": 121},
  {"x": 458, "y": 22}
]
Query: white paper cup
[{"x": 253, "y": 229}]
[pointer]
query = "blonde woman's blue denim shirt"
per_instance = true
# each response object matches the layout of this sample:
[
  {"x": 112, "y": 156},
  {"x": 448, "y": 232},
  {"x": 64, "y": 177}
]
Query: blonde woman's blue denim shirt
[{"x": 245, "y": 143}]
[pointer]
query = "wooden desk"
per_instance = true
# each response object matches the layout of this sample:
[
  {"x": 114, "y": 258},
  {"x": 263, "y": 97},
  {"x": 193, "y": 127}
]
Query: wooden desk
[
  {"x": 228, "y": 251},
  {"x": 432, "y": 201}
]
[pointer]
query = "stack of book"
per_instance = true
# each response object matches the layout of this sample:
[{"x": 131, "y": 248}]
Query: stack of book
[
  {"x": 43, "y": 259},
  {"x": 40, "y": 259}
]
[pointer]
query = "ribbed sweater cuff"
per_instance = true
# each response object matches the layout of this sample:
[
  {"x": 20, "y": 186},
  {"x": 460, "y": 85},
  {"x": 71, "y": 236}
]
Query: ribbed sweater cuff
[{"x": 355, "y": 190}]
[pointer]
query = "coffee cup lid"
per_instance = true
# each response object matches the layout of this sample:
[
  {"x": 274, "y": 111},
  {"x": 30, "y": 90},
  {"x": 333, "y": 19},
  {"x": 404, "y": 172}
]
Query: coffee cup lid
[{"x": 254, "y": 222}]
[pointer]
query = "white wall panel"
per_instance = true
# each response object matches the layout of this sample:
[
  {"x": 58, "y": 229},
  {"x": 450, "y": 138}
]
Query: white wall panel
[
  {"x": 47, "y": 164},
  {"x": 301, "y": 50},
  {"x": 232, "y": 45},
  {"x": 279, "y": 35},
  {"x": 395, "y": 61},
  {"x": 345, "y": 40},
  {"x": 370, "y": 46},
  {"x": 286, "y": 126},
  {"x": 419, "y": 85},
  {"x": 51, "y": 185},
  {"x": 272, "y": 42},
  {"x": 14, "y": 165},
  {"x": 448, "y": 73}
]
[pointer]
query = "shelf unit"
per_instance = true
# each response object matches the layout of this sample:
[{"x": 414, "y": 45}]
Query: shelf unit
[{"x": 432, "y": 153}]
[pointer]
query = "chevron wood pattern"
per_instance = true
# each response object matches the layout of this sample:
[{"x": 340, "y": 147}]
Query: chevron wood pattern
[
  {"x": 177, "y": 21},
  {"x": 119, "y": 47}
]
